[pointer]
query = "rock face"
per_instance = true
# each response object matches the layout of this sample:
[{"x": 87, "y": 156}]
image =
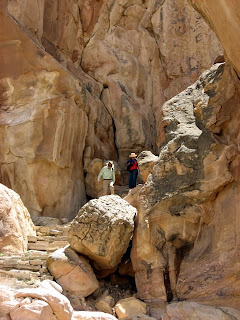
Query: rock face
[
  {"x": 55, "y": 116},
  {"x": 72, "y": 272},
  {"x": 139, "y": 47},
  {"x": 191, "y": 310},
  {"x": 102, "y": 230},
  {"x": 192, "y": 198},
  {"x": 15, "y": 222},
  {"x": 46, "y": 115},
  {"x": 224, "y": 20},
  {"x": 93, "y": 188}
]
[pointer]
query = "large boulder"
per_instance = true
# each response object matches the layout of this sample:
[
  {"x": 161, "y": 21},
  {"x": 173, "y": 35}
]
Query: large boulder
[
  {"x": 72, "y": 272},
  {"x": 15, "y": 222},
  {"x": 102, "y": 230}
]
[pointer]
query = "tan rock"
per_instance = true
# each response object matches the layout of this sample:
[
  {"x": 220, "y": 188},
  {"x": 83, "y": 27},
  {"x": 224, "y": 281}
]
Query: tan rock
[
  {"x": 72, "y": 272},
  {"x": 54, "y": 117},
  {"x": 191, "y": 310},
  {"x": 36, "y": 309},
  {"x": 181, "y": 206},
  {"x": 126, "y": 268},
  {"x": 88, "y": 315},
  {"x": 132, "y": 196},
  {"x": 129, "y": 307},
  {"x": 16, "y": 223},
  {"x": 105, "y": 303},
  {"x": 146, "y": 162},
  {"x": 46, "y": 221},
  {"x": 102, "y": 230},
  {"x": 49, "y": 292},
  {"x": 5, "y": 318}
]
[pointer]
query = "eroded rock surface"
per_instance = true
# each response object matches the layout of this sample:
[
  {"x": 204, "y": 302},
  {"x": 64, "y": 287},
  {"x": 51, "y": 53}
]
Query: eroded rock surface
[
  {"x": 102, "y": 230},
  {"x": 191, "y": 310},
  {"x": 223, "y": 17},
  {"x": 15, "y": 222},
  {"x": 129, "y": 307},
  {"x": 185, "y": 199},
  {"x": 48, "y": 118},
  {"x": 72, "y": 272},
  {"x": 36, "y": 303},
  {"x": 85, "y": 80}
]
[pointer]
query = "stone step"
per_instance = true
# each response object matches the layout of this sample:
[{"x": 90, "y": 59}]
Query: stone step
[
  {"x": 28, "y": 268},
  {"x": 47, "y": 246},
  {"x": 50, "y": 231},
  {"x": 47, "y": 238}
]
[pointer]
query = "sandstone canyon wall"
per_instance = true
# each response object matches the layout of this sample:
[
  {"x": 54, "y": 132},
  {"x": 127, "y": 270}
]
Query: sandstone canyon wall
[
  {"x": 223, "y": 17},
  {"x": 84, "y": 80},
  {"x": 189, "y": 206}
]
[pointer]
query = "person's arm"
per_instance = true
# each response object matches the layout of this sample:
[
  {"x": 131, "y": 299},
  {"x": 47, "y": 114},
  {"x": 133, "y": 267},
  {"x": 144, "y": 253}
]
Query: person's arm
[{"x": 100, "y": 175}]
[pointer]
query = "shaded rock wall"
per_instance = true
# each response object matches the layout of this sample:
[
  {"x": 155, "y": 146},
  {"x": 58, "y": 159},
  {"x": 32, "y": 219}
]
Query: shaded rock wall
[
  {"x": 223, "y": 17},
  {"x": 84, "y": 80}
]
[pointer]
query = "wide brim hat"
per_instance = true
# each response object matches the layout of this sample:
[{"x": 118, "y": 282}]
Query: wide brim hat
[{"x": 132, "y": 155}]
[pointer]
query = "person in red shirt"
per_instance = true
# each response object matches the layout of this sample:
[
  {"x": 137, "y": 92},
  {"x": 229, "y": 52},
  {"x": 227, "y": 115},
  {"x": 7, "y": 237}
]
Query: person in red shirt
[{"x": 132, "y": 167}]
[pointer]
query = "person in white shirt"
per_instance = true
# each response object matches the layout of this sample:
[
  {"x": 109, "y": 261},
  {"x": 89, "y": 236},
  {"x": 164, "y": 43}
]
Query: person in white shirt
[{"x": 108, "y": 175}]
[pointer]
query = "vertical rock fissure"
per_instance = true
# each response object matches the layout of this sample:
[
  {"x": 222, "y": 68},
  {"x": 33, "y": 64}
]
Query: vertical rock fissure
[{"x": 167, "y": 284}]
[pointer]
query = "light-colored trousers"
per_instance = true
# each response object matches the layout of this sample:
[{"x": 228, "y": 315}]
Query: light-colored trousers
[{"x": 106, "y": 184}]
